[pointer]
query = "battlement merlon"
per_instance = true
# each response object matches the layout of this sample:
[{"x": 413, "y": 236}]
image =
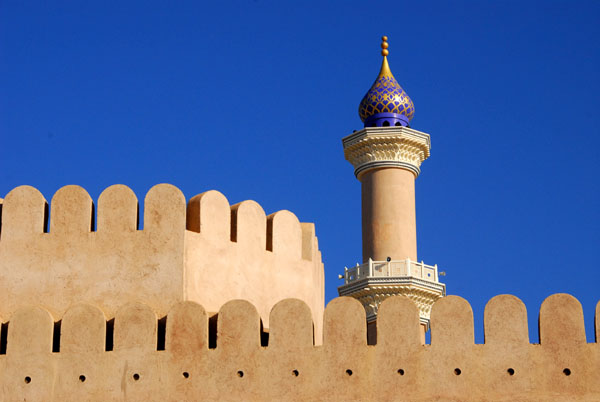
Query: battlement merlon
[{"x": 206, "y": 251}]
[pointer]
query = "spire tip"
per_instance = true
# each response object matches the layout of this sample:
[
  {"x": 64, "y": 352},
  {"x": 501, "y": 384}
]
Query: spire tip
[{"x": 384, "y": 46}]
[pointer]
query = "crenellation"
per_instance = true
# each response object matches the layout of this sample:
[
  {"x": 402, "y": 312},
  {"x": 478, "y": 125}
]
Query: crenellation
[
  {"x": 209, "y": 214},
  {"x": 249, "y": 224},
  {"x": 563, "y": 347},
  {"x": 453, "y": 318},
  {"x": 30, "y": 332},
  {"x": 187, "y": 329},
  {"x": 505, "y": 322},
  {"x": 284, "y": 234},
  {"x": 507, "y": 354},
  {"x": 238, "y": 328},
  {"x": 83, "y": 325},
  {"x": 291, "y": 354},
  {"x": 83, "y": 330},
  {"x": 71, "y": 212},
  {"x": 236, "y": 361},
  {"x": 136, "y": 326},
  {"x": 24, "y": 214},
  {"x": 398, "y": 329},
  {"x": 291, "y": 366},
  {"x": 165, "y": 209},
  {"x": 345, "y": 359},
  {"x": 344, "y": 326},
  {"x": 159, "y": 265},
  {"x": 29, "y": 367},
  {"x": 292, "y": 328},
  {"x": 260, "y": 260},
  {"x": 398, "y": 354},
  {"x": 118, "y": 210},
  {"x": 561, "y": 322}
]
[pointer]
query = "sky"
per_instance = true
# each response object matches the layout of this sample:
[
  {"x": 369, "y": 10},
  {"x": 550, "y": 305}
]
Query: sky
[{"x": 252, "y": 98}]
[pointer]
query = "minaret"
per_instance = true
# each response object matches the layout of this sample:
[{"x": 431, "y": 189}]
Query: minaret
[{"x": 387, "y": 155}]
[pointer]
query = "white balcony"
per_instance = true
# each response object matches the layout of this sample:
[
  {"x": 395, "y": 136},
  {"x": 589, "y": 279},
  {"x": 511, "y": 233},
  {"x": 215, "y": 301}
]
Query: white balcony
[{"x": 391, "y": 269}]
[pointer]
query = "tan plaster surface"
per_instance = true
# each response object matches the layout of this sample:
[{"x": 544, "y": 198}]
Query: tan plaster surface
[
  {"x": 388, "y": 214},
  {"x": 219, "y": 269},
  {"x": 206, "y": 252},
  {"x": 291, "y": 367}
]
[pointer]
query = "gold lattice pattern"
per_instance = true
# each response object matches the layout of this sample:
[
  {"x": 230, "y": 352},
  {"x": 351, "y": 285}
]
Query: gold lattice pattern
[{"x": 386, "y": 96}]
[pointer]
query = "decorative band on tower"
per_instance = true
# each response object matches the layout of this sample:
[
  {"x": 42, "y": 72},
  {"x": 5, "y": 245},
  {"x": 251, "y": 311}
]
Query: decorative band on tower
[{"x": 375, "y": 147}]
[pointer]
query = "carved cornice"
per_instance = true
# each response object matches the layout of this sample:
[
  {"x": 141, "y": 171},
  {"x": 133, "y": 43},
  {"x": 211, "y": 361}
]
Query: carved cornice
[
  {"x": 374, "y": 147},
  {"x": 384, "y": 281},
  {"x": 372, "y": 292}
]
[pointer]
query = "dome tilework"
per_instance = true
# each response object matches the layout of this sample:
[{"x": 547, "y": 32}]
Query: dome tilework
[{"x": 386, "y": 96}]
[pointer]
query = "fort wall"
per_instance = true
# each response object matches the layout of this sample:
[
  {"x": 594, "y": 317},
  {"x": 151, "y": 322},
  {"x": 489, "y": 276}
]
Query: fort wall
[
  {"x": 136, "y": 358},
  {"x": 206, "y": 251},
  {"x": 225, "y": 250}
]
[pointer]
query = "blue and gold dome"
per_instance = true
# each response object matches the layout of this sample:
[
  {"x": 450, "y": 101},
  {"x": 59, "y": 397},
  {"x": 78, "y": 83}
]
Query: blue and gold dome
[{"x": 386, "y": 103}]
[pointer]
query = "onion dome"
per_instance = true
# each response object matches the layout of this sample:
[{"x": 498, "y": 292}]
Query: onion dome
[{"x": 386, "y": 103}]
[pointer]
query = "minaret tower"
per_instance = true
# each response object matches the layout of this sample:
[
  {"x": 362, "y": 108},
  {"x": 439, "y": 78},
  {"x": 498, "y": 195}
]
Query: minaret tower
[{"x": 387, "y": 155}]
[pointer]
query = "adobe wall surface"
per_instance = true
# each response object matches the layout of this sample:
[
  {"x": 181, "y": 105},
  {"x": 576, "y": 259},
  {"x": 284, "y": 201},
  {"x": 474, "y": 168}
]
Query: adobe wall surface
[
  {"x": 207, "y": 252},
  {"x": 226, "y": 257},
  {"x": 563, "y": 367}
]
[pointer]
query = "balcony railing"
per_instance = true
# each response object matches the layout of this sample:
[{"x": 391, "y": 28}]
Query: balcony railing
[{"x": 394, "y": 268}]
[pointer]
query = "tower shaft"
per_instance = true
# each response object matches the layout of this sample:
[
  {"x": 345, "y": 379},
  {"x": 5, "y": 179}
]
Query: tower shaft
[{"x": 388, "y": 214}]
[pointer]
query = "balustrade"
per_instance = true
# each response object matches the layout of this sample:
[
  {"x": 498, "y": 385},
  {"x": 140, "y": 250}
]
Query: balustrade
[{"x": 393, "y": 268}]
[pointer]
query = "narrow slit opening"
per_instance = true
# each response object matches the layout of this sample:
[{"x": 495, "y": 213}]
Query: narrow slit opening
[
  {"x": 233, "y": 228},
  {"x": 46, "y": 218},
  {"x": 161, "y": 333},
  {"x": 264, "y": 335},
  {"x": 372, "y": 333},
  {"x": 93, "y": 222},
  {"x": 110, "y": 331},
  {"x": 56, "y": 337},
  {"x": 137, "y": 219},
  {"x": 3, "y": 338},
  {"x": 269, "y": 234},
  {"x": 212, "y": 331}
]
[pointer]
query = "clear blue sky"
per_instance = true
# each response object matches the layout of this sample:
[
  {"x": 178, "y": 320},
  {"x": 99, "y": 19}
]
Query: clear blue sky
[{"x": 252, "y": 98}]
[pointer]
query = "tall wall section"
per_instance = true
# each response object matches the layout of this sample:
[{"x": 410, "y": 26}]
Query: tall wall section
[
  {"x": 206, "y": 252},
  {"x": 135, "y": 358},
  {"x": 237, "y": 252}
]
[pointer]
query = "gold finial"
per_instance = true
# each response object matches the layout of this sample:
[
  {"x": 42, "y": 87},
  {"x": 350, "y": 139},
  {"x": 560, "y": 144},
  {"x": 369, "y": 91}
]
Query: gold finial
[{"x": 384, "y": 46}]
